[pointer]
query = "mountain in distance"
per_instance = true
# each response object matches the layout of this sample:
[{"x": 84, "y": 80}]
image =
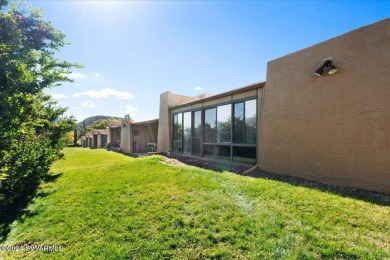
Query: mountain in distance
[{"x": 90, "y": 120}]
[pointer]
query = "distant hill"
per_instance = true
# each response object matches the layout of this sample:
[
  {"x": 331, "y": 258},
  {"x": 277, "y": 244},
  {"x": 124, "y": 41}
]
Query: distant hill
[{"x": 90, "y": 120}]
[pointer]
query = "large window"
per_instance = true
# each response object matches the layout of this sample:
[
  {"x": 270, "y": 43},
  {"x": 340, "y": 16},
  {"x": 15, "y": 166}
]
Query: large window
[
  {"x": 177, "y": 133},
  {"x": 250, "y": 122},
  {"x": 218, "y": 151},
  {"x": 210, "y": 123},
  {"x": 239, "y": 123},
  {"x": 225, "y": 132},
  {"x": 245, "y": 122},
  {"x": 244, "y": 154},
  {"x": 196, "y": 132},
  {"x": 224, "y": 124},
  {"x": 187, "y": 132}
]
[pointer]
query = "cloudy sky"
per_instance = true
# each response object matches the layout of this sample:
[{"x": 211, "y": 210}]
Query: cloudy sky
[{"x": 134, "y": 50}]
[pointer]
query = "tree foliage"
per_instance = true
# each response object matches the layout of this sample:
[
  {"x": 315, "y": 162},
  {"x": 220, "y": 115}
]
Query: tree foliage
[
  {"x": 100, "y": 124},
  {"x": 32, "y": 126}
]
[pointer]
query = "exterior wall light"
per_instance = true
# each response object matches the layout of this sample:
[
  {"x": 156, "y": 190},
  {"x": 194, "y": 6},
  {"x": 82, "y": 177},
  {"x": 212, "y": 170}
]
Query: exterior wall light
[{"x": 328, "y": 64}]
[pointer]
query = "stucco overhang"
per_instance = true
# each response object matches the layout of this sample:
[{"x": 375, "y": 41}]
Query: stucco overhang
[{"x": 224, "y": 94}]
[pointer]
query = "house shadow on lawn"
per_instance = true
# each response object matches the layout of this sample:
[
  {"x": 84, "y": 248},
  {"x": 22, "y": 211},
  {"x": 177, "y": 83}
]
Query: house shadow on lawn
[
  {"x": 349, "y": 192},
  {"x": 20, "y": 209}
]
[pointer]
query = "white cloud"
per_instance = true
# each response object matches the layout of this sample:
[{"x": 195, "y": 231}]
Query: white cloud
[
  {"x": 78, "y": 85},
  {"x": 75, "y": 75},
  {"x": 58, "y": 96},
  {"x": 198, "y": 88},
  {"x": 80, "y": 118},
  {"x": 97, "y": 74},
  {"x": 103, "y": 93},
  {"x": 88, "y": 104},
  {"x": 131, "y": 109}
]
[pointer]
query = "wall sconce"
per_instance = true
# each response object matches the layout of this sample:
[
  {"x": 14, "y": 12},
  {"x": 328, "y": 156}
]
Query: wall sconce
[{"x": 328, "y": 64}]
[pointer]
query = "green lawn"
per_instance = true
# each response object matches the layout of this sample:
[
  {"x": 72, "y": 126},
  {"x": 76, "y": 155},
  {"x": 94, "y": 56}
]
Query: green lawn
[{"x": 109, "y": 206}]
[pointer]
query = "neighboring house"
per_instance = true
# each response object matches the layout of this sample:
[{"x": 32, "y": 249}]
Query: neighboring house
[
  {"x": 97, "y": 138},
  {"x": 134, "y": 137},
  {"x": 83, "y": 141},
  {"x": 333, "y": 129},
  {"x": 114, "y": 133},
  {"x": 88, "y": 140}
]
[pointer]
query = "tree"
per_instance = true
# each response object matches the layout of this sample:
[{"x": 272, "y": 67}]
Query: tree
[
  {"x": 69, "y": 138},
  {"x": 32, "y": 125},
  {"x": 75, "y": 137},
  {"x": 100, "y": 124}
]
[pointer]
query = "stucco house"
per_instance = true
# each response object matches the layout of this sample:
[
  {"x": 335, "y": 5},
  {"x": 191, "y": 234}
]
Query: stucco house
[
  {"x": 322, "y": 114},
  {"x": 97, "y": 138}
]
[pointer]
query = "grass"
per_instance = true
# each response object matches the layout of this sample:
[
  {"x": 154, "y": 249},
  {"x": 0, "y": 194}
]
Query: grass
[{"x": 105, "y": 205}]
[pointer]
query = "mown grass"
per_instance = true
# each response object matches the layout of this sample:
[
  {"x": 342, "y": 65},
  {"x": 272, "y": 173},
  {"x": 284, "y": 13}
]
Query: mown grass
[{"x": 109, "y": 206}]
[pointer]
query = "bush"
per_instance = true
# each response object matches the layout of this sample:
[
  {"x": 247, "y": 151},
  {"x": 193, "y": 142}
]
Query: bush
[
  {"x": 32, "y": 129},
  {"x": 25, "y": 164}
]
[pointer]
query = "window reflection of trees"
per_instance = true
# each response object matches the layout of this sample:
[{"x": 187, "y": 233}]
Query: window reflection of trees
[
  {"x": 224, "y": 124},
  {"x": 197, "y": 133},
  {"x": 222, "y": 137},
  {"x": 250, "y": 121},
  {"x": 187, "y": 132},
  {"x": 210, "y": 125},
  {"x": 177, "y": 133},
  {"x": 239, "y": 123}
]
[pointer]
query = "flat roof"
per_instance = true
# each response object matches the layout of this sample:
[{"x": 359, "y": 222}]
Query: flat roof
[
  {"x": 224, "y": 94},
  {"x": 146, "y": 122}
]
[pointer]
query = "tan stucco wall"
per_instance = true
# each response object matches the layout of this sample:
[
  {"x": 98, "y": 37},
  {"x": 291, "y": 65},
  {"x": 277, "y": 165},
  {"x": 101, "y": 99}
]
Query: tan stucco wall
[
  {"x": 99, "y": 141},
  {"x": 125, "y": 135},
  {"x": 186, "y": 108},
  {"x": 259, "y": 112},
  {"x": 217, "y": 101},
  {"x": 245, "y": 94},
  {"x": 108, "y": 135},
  {"x": 167, "y": 100},
  {"x": 196, "y": 106},
  {"x": 334, "y": 128}
]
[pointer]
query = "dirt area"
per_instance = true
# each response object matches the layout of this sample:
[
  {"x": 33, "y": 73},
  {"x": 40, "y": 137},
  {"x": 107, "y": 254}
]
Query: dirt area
[{"x": 173, "y": 162}]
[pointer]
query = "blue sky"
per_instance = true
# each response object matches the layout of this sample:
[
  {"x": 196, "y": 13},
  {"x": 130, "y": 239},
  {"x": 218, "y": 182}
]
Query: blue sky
[{"x": 134, "y": 50}]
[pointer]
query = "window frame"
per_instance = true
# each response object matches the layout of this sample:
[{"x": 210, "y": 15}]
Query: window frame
[{"x": 231, "y": 144}]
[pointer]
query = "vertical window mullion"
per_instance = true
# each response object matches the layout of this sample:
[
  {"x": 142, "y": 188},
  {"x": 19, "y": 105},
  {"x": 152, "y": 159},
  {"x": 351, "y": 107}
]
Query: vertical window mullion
[
  {"x": 182, "y": 132},
  {"x": 244, "y": 115},
  {"x": 202, "y": 133},
  {"x": 232, "y": 129}
]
